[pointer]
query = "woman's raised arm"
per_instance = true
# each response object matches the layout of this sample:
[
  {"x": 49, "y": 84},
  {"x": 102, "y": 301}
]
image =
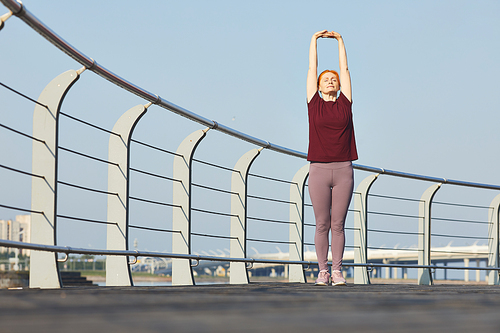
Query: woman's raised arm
[
  {"x": 344, "y": 75},
  {"x": 312, "y": 73}
]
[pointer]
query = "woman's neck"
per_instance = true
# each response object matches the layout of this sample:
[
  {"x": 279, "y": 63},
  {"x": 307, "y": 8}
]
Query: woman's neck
[{"x": 329, "y": 97}]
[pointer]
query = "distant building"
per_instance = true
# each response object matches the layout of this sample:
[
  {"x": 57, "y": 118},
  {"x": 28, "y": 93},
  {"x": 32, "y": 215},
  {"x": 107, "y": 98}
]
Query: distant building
[{"x": 18, "y": 230}]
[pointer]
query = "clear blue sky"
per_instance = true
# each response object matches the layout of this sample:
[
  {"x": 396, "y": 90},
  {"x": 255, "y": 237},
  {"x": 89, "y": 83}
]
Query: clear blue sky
[{"x": 424, "y": 74}]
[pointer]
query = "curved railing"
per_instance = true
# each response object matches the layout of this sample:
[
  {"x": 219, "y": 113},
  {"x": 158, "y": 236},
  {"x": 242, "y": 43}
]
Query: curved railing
[
  {"x": 90, "y": 64},
  {"x": 181, "y": 177}
]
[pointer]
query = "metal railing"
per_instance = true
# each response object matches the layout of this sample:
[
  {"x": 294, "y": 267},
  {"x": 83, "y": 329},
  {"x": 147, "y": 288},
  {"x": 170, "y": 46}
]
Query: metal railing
[
  {"x": 44, "y": 215},
  {"x": 66, "y": 250}
]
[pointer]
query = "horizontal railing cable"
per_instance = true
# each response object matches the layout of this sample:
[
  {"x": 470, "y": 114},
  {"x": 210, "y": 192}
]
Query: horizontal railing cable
[
  {"x": 86, "y": 188},
  {"x": 156, "y": 148},
  {"x": 24, "y": 14},
  {"x": 273, "y": 179},
  {"x": 395, "y": 232},
  {"x": 271, "y": 199},
  {"x": 155, "y": 175},
  {"x": 22, "y": 209},
  {"x": 214, "y": 189},
  {"x": 23, "y": 95},
  {"x": 89, "y": 124},
  {"x": 155, "y": 202},
  {"x": 458, "y": 220},
  {"x": 215, "y": 165},
  {"x": 153, "y": 229},
  {"x": 20, "y": 171},
  {"x": 459, "y": 252},
  {"x": 394, "y": 214},
  {"x": 213, "y": 212},
  {"x": 213, "y": 236},
  {"x": 85, "y": 220},
  {"x": 392, "y": 197},
  {"x": 392, "y": 249},
  {"x": 459, "y": 205},
  {"x": 87, "y": 156},
  {"x": 269, "y": 220},
  {"x": 458, "y": 236},
  {"x": 269, "y": 241},
  {"x": 21, "y": 133},
  {"x": 69, "y": 250}
]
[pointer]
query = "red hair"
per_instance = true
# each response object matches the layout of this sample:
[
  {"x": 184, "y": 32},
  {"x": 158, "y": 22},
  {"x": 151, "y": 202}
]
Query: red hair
[{"x": 329, "y": 71}]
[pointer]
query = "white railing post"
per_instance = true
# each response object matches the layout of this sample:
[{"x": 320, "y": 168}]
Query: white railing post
[
  {"x": 296, "y": 250},
  {"x": 493, "y": 239},
  {"x": 360, "y": 229},
  {"x": 182, "y": 273},
  {"x": 44, "y": 272},
  {"x": 117, "y": 268},
  {"x": 424, "y": 234},
  {"x": 238, "y": 247}
]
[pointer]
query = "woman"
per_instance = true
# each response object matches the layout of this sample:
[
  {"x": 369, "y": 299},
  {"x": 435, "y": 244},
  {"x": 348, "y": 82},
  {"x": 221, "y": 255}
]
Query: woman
[{"x": 332, "y": 148}]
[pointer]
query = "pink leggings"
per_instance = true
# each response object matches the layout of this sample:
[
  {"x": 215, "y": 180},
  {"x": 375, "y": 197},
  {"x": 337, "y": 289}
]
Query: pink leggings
[{"x": 330, "y": 188}]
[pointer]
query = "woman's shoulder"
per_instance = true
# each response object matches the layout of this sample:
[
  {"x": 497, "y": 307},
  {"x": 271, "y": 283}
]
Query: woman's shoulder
[
  {"x": 314, "y": 99},
  {"x": 344, "y": 98}
]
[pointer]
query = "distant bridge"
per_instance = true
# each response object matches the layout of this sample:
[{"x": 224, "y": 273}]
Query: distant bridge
[{"x": 399, "y": 258}]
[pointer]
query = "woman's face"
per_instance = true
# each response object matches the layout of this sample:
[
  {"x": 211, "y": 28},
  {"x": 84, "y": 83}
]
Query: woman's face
[{"x": 329, "y": 83}]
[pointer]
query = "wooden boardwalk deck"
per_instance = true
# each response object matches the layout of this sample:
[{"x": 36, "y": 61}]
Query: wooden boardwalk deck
[{"x": 258, "y": 307}]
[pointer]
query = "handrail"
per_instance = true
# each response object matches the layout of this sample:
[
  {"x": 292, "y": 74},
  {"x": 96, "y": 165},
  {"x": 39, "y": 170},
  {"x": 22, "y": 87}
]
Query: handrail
[
  {"x": 20, "y": 11},
  {"x": 72, "y": 250}
]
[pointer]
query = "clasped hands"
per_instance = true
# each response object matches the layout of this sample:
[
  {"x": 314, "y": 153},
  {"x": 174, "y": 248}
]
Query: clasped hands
[{"x": 327, "y": 34}]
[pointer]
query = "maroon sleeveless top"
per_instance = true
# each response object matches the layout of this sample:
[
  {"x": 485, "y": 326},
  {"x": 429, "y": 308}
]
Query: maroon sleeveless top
[{"x": 331, "y": 131}]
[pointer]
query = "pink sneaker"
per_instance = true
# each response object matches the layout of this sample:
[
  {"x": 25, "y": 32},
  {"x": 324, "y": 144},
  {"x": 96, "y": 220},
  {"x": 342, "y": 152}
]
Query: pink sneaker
[
  {"x": 338, "y": 279},
  {"x": 323, "y": 279}
]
